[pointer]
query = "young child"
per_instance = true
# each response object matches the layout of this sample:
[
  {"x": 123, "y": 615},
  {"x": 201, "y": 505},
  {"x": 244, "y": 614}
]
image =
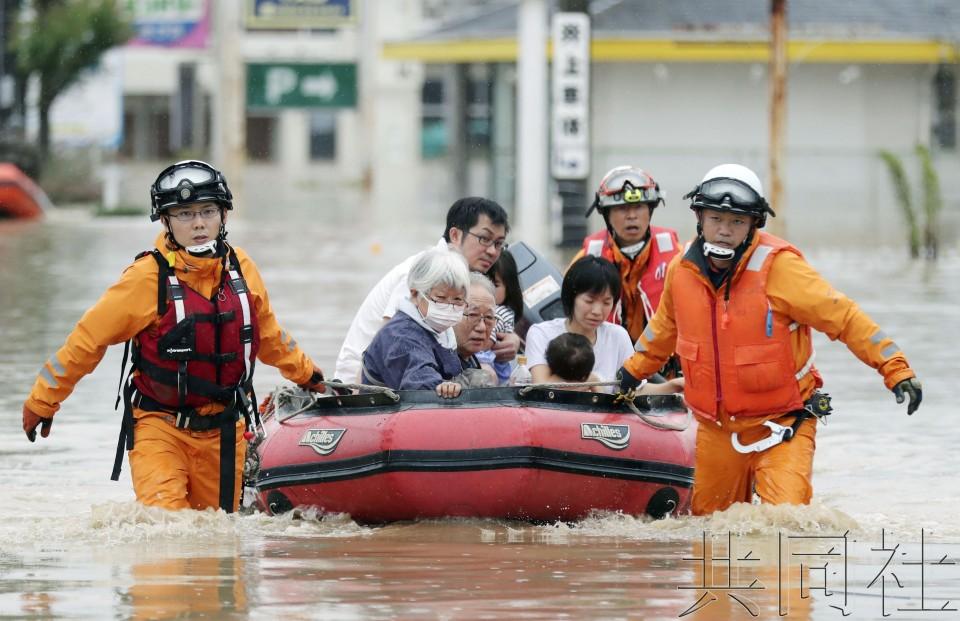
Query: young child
[
  {"x": 570, "y": 358},
  {"x": 509, "y": 300},
  {"x": 504, "y": 275}
]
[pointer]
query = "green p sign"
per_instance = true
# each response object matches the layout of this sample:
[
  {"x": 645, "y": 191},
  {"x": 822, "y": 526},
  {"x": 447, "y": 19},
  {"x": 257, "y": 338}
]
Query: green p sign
[{"x": 294, "y": 85}]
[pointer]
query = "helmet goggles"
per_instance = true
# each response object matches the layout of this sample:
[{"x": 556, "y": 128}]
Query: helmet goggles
[
  {"x": 188, "y": 182},
  {"x": 724, "y": 194},
  {"x": 626, "y": 186}
]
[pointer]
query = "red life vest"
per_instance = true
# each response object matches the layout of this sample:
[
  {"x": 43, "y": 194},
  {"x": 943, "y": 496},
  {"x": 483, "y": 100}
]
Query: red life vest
[
  {"x": 738, "y": 353},
  {"x": 662, "y": 246},
  {"x": 203, "y": 350}
]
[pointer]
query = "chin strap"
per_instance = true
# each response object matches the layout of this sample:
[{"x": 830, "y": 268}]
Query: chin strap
[
  {"x": 717, "y": 252},
  {"x": 203, "y": 250},
  {"x": 633, "y": 250}
]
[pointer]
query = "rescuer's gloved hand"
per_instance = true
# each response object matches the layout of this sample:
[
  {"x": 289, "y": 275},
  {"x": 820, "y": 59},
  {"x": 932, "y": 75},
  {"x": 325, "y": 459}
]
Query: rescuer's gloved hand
[
  {"x": 31, "y": 421},
  {"x": 627, "y": 381},
  {"x": 315, "y": 383},
  {"x": 911, "y": 388}
]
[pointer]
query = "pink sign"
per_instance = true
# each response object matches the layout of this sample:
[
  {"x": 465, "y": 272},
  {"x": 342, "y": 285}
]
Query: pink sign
[{"x": 184, "y": 23}]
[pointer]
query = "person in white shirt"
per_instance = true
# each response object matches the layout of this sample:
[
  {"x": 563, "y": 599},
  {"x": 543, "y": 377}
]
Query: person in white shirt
[
  {"x": 590, "y": 288},
  {"x": 477, "y": 229}
]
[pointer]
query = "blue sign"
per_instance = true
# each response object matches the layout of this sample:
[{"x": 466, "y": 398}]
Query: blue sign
[{"x": 299, "y": 14}]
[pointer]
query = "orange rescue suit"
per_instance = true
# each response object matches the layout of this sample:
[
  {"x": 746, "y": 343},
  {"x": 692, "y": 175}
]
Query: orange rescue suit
[
  {"x": 641, "y": 279},
  {"x": 747, "y": 358},
  {"x": 170, "y": 467}
]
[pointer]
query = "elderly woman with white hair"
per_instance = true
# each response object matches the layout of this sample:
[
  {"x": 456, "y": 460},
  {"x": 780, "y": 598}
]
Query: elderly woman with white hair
[{"x": 417, "y": 348}]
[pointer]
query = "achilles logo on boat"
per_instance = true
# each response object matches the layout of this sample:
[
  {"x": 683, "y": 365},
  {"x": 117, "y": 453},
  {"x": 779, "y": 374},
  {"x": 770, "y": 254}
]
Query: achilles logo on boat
[
  {"x": 323, "y": 441},
  {"x": 616, "y": 437}
]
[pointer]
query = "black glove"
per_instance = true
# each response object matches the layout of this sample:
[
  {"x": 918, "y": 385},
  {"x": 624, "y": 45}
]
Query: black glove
[
  {"x": 31, "y": 421},
  {"x": 315, "y": 383},
  {"x": 627, "y": 381},
  {"x": 912, "y": 388}
]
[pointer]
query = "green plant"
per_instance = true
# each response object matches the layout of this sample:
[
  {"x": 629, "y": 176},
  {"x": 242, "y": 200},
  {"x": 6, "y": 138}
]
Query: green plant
[
  {"x": 902, "y": 188},
  {"x": 932, "y": 203}
]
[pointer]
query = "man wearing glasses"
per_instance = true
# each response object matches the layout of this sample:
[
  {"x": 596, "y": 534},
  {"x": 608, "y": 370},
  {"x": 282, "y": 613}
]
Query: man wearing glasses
[
  {"x": 738, "y": 308},
  {"x": 197, "y": 315},
  {"x": 476, "y": 228},
  {"x": 474, "y": 332}
]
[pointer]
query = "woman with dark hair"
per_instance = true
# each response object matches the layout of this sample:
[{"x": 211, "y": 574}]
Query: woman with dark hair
[{"x": 590, "y": 289}]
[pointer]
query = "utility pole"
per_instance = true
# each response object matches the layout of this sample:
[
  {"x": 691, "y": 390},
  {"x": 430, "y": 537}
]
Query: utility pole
[
  {"x": 230, "y": 100},
  {"x": 571, "y": 113},
  {"x": 531, "y": 196},
  {"x": 778, "y": 97}
]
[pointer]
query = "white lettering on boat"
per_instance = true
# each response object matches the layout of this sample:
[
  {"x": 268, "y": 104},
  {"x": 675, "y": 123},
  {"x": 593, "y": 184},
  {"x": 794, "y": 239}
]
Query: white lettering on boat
[
  {"x": 616, "y": 437},
  {"x": 323, "y": 441}
]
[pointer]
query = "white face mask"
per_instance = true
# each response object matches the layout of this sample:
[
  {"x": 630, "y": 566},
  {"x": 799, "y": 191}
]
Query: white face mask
[{"x": 440, "y": 318}]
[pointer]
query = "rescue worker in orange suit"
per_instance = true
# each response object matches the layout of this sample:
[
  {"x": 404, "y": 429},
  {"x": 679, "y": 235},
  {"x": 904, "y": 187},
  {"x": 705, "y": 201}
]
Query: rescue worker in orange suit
[
  {"x": 197, "y": 315},
  {"x": 626, "y": 199},
  {"x": 738, "y": 308}
]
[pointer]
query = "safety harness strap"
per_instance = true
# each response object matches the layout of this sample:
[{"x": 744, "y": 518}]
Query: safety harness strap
[{"x": 192, "y": 385}]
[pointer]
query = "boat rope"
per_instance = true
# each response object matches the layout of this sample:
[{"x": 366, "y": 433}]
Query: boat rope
[
  {"x": 652, "y": 421},
  {"x": 289, "y": 401},
  {"x": 626, "y": 398},
  {"x": 565, "y": 385},
  {"x": 339, "y": 387}
]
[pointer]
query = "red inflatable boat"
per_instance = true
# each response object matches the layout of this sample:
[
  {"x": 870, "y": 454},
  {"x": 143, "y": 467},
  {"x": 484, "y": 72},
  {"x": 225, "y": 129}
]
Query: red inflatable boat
[
  {"x": 535, "y": 454},
  {"x": 20, "y": 197}
]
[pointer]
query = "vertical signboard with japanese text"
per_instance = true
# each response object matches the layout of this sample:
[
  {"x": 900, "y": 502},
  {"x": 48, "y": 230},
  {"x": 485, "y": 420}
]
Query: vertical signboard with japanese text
[{"x": 570, "y": 158}]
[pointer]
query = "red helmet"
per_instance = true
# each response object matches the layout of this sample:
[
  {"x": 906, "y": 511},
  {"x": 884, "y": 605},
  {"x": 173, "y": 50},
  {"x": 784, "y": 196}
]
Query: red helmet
[{"x": 626, "y": 185}]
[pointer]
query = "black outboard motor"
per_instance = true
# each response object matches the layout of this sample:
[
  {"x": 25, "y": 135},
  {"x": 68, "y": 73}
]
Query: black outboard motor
[{"x": 540, "y": 282}]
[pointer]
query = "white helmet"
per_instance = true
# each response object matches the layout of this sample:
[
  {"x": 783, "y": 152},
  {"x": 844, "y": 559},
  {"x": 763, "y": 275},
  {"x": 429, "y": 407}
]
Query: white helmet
[{"x": 732, "y": 187}]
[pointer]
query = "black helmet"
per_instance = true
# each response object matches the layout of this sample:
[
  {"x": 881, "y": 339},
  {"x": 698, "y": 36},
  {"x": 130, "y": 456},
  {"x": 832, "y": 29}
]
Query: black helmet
[
  {"x": 733, "y": 188},
  {"x": 186, "y": 182},
  {"x": 626, "y": 185}
]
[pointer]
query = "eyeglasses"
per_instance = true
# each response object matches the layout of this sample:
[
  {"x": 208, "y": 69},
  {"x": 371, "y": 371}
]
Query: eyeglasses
[
  {"x": 207, "y": 213},
  {"x": 486, "y": 242},
  {"x": 458, "y": 304},
  {"x": 474, "y": 317}
]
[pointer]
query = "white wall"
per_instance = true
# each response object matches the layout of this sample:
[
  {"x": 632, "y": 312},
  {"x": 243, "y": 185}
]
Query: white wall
[{"x": 679, "y": 120}]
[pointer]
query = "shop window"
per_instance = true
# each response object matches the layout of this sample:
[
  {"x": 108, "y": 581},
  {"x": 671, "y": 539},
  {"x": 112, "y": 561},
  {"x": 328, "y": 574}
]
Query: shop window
[
  {"x": 433, "y": 133},
  {"x": 944, "y": 128},
  {"x": 146, "y": 127},
  {"x": 261, "y": 132},
  {"x": 323, "y": 135}
]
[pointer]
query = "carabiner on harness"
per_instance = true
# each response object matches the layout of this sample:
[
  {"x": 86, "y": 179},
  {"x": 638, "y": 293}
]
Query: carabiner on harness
[{"x": 818, "y": 405}]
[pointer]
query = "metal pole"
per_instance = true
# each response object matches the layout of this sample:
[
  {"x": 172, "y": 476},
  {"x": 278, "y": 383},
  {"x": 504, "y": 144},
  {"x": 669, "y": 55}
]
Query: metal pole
[
  {"x": 230, "y": 101},
  {"x": 530, "y": 210},
  {"x": 778, "y": 99}
]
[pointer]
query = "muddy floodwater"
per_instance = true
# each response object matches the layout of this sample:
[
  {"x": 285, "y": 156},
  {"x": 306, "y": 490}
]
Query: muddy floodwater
[{"x": 882, "y": 537}]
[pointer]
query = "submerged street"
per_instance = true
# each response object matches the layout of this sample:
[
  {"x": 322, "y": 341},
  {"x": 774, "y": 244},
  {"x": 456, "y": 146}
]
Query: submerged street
[{"x": 75, "y": 545}]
